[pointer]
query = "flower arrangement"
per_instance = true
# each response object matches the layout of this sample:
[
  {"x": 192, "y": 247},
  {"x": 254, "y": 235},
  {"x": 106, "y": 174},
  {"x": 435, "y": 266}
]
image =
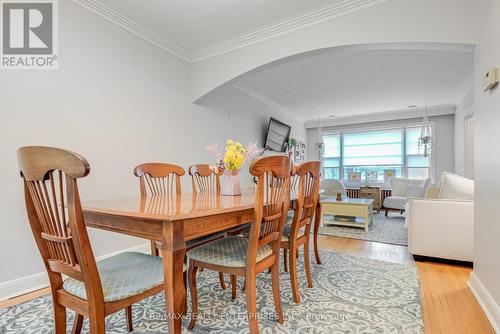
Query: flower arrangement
[{"x": 234, "y": 155}]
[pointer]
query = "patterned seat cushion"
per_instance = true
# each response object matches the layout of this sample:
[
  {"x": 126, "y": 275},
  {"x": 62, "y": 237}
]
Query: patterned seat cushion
[
  {"x": 122, "y": 276},
  {"x": 287, "y": 230},
  {"x": 395, "y": 202},
  {"x": 229, "y": 252}
]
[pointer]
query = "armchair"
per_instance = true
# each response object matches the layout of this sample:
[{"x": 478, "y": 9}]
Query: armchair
[
  {"x": 331, "y": 187},
  {"x": 402, "y": 189}
]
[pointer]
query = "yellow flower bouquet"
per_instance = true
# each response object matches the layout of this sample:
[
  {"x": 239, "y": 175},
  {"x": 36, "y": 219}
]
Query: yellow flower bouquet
[{"x": 230, "y": 160}]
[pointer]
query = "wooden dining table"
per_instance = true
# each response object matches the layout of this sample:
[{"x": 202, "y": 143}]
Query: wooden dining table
[{"x": 173, "y": 220}]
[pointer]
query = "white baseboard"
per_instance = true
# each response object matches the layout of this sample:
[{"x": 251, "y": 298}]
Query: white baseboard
[
  {"x": 26, "y": 284},
  {"x": 488, "y": 304}
]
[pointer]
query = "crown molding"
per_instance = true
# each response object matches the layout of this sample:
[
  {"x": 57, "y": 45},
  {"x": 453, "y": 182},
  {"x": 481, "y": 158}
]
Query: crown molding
[
  {"x": 114, "y": 17},
  {"x": 313, "y": 17},
  {"x": 265, "y": 99},
  {"x": 438, "y": 110},
  {"x": 284, "y": 27}
]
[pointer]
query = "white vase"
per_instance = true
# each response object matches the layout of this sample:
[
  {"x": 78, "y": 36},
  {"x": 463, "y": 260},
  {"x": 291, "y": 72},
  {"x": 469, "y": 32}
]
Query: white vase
[{"x": 231, "y": 183}]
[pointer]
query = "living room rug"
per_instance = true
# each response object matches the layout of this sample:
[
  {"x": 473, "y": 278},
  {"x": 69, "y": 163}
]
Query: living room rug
[
  {"x": 350, "y": 295},
  {"x": 389, "y": 230}
]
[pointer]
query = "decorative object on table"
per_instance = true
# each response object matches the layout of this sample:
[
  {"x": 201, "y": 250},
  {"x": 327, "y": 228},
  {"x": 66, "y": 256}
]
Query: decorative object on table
[
  {"x": 388, "y": 175},
  {"x": 339, "y": 197},
  {"x": 425, "y": 139},
  {"x": 354, "y": 177},
  {"x": 229, "y": 161},
  {"x": 296, "y": 150},
  {"x": 371, "y": 193},
  {"x": 231, "y": 183}
]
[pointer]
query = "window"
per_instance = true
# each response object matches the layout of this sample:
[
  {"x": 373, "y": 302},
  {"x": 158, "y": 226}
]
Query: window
[
  {"x": 417, "y": 166},
  {"x": 331, "y": 161},
  {"x": 371, "y": 153}
]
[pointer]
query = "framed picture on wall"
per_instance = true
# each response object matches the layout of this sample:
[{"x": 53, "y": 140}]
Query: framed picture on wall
[
  {"x": 354, "y": 177},
  {"x": 372, "y": 176},
  {"x": 388, "y": 175},
  {"x": 296, "y": 151}
]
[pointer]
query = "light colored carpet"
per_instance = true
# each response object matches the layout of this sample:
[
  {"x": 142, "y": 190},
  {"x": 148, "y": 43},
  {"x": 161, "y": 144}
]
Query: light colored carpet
[
  {"x": 350, "y": 295},
  {"x": 389, "y": 230}
]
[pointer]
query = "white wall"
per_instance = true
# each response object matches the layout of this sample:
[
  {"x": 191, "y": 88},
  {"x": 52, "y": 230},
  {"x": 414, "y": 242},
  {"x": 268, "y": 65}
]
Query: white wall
[
  {"x": 464, "y": 109},
  {"x": 443, "y": 148},
  {"x": 394, "y": 21},
  {"x": 485, "y": 280},
  {"x": 118, "y": 101}
]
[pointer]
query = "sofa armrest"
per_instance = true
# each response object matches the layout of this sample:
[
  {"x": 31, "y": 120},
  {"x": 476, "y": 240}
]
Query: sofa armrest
[{"x": 441, "y": 228}]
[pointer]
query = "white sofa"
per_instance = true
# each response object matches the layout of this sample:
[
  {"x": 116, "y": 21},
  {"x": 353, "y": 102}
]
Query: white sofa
[
  {"x": 441, "y": 224},
  {"x": 401, "y": 190}
]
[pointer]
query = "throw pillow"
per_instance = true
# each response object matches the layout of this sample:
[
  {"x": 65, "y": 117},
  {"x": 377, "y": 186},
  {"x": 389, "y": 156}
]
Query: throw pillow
[{"x": 456, "y": 187}]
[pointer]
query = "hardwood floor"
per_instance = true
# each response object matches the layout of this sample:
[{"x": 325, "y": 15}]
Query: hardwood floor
[{"x": 449, "y": 306}]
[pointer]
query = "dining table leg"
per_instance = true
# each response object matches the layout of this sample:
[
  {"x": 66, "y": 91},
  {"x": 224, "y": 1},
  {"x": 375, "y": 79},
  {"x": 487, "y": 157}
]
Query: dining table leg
[
  {"x": 172, "y": 252},
  {"x": 317, "y": 223}
]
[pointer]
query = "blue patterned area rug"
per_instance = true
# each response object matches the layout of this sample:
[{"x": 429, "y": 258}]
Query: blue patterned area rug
[
  {"x": 350, "y": 295},
  {"x": 388, "y": 230}
]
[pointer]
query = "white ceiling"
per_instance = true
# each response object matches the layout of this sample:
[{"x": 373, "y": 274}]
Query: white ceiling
[
  {"x": 195, "y": 25},
  {"x": 355, "y": 81}
]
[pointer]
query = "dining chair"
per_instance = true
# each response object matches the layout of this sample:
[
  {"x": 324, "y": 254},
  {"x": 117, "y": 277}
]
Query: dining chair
[
  {"x": 92, "y": 289},
  {"x": 294, "y": 184},
  {"x": 205, "y": 183},
  {"x": 298, "y": 232},
  {"x": 159, "y": 179},
  {"x": 163, "y": 181},
  {"x": 204, "y": 179},
  {"x": 247, "y": 257}
]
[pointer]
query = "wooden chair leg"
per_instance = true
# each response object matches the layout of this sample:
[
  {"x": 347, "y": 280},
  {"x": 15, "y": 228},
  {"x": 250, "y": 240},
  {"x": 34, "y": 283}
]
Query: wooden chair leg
[
  {"x": 185, "y": 278},
  {"x": 222, "y": 282},
  {"x": 128, "y": 317},
  {"x": 194, "y": 293},
  {"x": 59, "y": 318},
  {"x": 154, "y": 250},
  {"x": 97, "y": 323},
  {"x": 233, "y": 287},
  {"x": 275, "y": 272},
  {"x": 386, "y": 212},
  {"x": 285, "y": 259},
  {"x": 252, "y": 303},
  {"x": 307, "y": 264},
  {"x": 77, "y": 324},
  {"x": 293, "y": 273},
  {"x": 243, "y": 289}
]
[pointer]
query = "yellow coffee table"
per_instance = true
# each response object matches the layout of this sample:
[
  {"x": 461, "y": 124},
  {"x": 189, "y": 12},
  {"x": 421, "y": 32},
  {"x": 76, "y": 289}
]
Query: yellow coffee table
[{"x": 355, "y": 207}]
